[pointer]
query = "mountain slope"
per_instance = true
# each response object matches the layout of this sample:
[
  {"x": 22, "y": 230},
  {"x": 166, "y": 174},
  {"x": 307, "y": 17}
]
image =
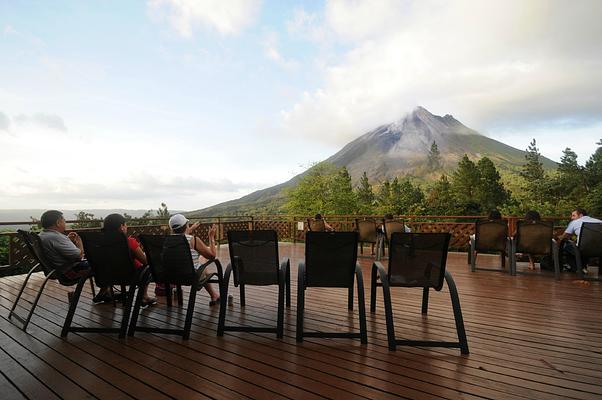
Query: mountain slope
[{"x": 397, "y": 149}]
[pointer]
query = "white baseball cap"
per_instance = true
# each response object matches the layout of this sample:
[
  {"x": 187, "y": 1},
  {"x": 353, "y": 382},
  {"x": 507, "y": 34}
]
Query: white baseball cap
[{"x": 177, "y": 221}]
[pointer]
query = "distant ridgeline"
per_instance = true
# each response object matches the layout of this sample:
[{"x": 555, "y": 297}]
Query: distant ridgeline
[{"x": 432, "y": 155}]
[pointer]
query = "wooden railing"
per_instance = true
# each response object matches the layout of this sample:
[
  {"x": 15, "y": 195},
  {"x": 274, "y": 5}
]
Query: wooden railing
[{"x": 289, "y": 227}]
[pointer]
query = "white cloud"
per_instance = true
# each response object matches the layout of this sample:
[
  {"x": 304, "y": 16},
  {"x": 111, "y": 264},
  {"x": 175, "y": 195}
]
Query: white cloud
[
  {"x": 226, "y": 17},
  {"x": 4, "y": 122},
  {"x": 270, "y": 48},
  {"x": 492, "y": 64},
  {"x": 49, "y": 121}
]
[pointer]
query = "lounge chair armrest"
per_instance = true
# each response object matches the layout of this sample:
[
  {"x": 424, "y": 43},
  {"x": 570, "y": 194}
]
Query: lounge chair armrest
[
  {"x": 285, "y": 263},
  {"x": 358, "y": 270},
  {"x": 218, "y": 266}
]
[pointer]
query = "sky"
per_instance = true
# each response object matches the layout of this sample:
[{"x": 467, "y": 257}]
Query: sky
[{"x": 129, "y": 104}]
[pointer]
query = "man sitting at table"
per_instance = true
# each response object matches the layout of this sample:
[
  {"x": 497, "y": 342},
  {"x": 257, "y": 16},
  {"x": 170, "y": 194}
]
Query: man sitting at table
[{"x": 578, "y": 217}]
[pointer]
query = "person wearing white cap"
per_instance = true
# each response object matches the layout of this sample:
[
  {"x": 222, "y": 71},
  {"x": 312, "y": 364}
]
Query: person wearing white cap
[{"x": 179, "y": 224}]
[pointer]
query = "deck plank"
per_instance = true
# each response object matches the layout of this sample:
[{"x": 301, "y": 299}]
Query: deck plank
[{"x": 530, "y": 337}]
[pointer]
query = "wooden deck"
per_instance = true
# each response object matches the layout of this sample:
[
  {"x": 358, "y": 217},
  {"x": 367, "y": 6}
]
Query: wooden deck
[{"x": 530, "y": 337}]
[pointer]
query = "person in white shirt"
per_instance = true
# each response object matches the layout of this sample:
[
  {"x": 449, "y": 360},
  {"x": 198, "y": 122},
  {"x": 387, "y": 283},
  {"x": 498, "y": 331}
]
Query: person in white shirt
[{"x": 578, "y": 217}]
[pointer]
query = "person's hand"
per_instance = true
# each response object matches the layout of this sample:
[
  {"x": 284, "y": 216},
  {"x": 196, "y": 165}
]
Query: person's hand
[
  {"x": 195, "y": 226},
  {"x": 212, "y": 231}
]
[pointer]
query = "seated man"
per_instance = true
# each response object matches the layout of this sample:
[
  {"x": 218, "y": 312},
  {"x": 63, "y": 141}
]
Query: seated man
[
  {"x": 578, "y": 217},
  {"x": 65, "y": 253},
  {"x": 327, "y": 226}
]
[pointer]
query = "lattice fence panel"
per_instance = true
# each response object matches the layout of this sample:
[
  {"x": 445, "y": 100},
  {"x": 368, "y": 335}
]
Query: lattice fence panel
[
  {"x": 460, "y": 231},
  {"x": 234, "y": 226},
  {"x": 283, "y": 228},
  {"x": 19, "y": 253}
]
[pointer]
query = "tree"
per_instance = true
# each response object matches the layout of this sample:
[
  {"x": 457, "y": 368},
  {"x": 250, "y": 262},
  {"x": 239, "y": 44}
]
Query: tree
[
  {"x": 434, "y": 158},
  {"x": 440, "y": 199},
  {"x": 464, "y": 183},
  {"x": 342, "y": 198},
  {"x": 405, "y": 197},
  {"x": 86, "y": 220},
  {"x": 365, "y": 196},
  {"x": 490, "y": 192},
  {"x": 593, "y": 175},
  {"x": 534, "y": 177},
  {"x": 163, "y": 212},
  {"x": 383, "y": 198}
]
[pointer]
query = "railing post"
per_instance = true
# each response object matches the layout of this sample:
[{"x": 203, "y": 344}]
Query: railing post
[{"x": 219, "y": 232}]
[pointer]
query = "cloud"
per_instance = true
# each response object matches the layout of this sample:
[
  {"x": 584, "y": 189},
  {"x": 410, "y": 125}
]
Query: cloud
[
  {"x": 4, "y": 122},
  {"x": 270, "y": 48},
  {"x": 49, "y": 121},
  {"x": 225, "y": 17},
  {"x": 492, "y": 64}
]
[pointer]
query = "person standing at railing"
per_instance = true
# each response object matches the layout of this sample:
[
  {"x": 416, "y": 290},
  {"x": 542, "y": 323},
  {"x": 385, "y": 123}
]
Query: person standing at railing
[{"x": 327, "y": 226}]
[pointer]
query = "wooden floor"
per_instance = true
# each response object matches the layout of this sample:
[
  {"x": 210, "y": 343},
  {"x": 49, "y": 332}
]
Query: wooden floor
[{"x": 530, "y": 337}]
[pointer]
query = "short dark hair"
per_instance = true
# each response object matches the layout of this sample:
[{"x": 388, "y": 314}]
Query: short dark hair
[
  {"x": 181, "y": 229},
  {"x": 532, "y": 215},
  {"x": 388, "y": 216},
  {"x": 318, "y": 216},
  {"x": 494, "y": 215},
  {"x": 50, "y": 218},
  {"x": 113, "y": 222},
  {"x": 580, "y": 210}
]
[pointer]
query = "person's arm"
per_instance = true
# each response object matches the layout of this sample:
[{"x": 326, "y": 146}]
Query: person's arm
[
  {"x": 137, "y": 252},
  {"x": 210, "y": 251},
  {"x": 328, "y": 227},
  {"x": 568, "y": 232},
  {"x": 72, "y": 252}
]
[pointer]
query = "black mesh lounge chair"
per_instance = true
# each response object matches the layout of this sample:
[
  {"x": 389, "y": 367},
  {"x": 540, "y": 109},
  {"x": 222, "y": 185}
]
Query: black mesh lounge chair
[
  {"x": 535, "y": 238},
  {"x": 316, "y": 225},
  {"x": 489, "y": 236},
  {"x": 417, "y": 260},
  {"x": 112, "y": 264},
  {"x": 254, "y": 261},
  {"x": 34, "y": 245},
  {"x": 367, "y": 232},
  {"x": 590, "y": 245},
  {"x": 331, "y": 261},
  {"x": 172, "y": 264}
]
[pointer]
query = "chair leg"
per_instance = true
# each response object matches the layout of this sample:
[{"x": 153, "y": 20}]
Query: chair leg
[
  {"x": 223, "y": 298},
  {"x": 425, "y": 300},
  {"x": 350, "y": 298},
  {"x": 473, "y": 255},
  {"x": 189, "y": 311},
  {"x": 513, "y": 257},
  {"x": 124, "y": 295},
  {"x": 135, "y": 313},
  {"x": 127, "y": 309},
  {"x": 579, "y": 262},
  {"x": 281, "y": 289},
  {"x": 12, "y": 309},
  {"x": 72, "y": 307},
  {"x": 180, "y": 295},
  {"x": 35, "y": 302},
  {"x": 92, "y": 287},
  {"x": 242, "y": 295},
  {"x": 168, "y": 295},
  {"x": 373, "y": 289},
  {"x": 361, "y": 303},
  {"x": 556, "y": 256},
  {"x": 300, "y": 301},
  {"x": 288, "y": 285},
  {"x": 453, "y": 291},
  {"x": 388, "y": 314}
]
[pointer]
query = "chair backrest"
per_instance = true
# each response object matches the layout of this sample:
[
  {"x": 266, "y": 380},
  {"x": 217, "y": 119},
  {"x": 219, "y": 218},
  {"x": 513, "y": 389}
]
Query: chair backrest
[
  {"x": 316, "y": 225},
  {"x": 366, "y": 230},
  {"x": 392, "y": 226},
  {"x": 330, "y": 258},
  {"x": 34, "y": 245},
  {"x": 534, "y": 237},
  {"x": 418, "y": 259},
  {"x": 110, "y": 258},
  {"x": 153, "y": 248},
  {"x": 255, "y": 255},
  {"x": 590, "y": 239},
  {"x": 491, "y": 235},
  {"x": 177, "y": 260}
]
